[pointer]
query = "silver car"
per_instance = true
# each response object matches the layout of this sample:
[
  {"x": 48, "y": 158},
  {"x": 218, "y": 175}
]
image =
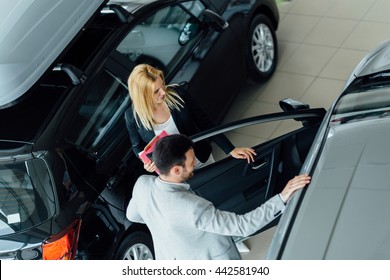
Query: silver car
[{"x": 345, "y": 211}]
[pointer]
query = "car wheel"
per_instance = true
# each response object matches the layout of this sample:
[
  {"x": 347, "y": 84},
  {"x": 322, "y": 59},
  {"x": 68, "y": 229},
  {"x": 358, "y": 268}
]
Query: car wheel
[
  {"x": 262, "y": 49},
  {"x": 137, "y": 246}
]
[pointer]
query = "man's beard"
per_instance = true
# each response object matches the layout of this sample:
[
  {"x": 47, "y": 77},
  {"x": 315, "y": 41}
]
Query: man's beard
[{"x": 187, "y": 176}]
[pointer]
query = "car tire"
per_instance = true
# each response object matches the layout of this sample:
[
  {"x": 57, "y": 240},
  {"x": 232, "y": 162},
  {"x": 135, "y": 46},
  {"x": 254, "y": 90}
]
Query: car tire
[
  {"x": 136, "y": 246},
  {"x": 262, "y": 51}
]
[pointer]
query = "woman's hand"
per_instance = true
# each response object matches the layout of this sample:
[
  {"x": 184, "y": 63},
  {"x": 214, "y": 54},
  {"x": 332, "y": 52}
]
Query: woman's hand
[
  {"x": 244, "y": 153},
  {"x": 150, "y": 166}
]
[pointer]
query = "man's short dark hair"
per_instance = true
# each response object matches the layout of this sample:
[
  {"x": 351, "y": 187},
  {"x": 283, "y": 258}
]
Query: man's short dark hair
[{"x": 170, "y": 151}]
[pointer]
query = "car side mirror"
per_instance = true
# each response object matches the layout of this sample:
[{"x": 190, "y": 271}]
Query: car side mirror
[
  {"x": 188, "y": 32},
  {"x": 214, "y": 20},
  {"x": 290, "y": 105}
]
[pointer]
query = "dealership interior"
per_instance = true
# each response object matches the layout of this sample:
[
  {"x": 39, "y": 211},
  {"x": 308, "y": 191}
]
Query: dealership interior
[
  {"x": 320, "y": 43},
  {"x": 68, "y": 167}
]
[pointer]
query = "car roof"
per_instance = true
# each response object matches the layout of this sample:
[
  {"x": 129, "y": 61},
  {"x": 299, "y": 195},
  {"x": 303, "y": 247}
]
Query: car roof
[
  {"x": 345, "y": 211},
  {"x": 377, "y": 60},
  {"x": 32, "y": 36}
]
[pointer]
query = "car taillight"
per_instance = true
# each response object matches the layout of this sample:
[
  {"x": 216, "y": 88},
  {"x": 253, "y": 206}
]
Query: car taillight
[{"x": 63, "y": 245}]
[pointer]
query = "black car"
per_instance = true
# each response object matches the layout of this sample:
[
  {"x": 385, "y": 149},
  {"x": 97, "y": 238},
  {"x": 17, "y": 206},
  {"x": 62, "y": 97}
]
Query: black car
[{"x": 66, "y": 164}]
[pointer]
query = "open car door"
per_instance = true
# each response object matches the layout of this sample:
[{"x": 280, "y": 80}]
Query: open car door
[{"x": 236, "y": 186}]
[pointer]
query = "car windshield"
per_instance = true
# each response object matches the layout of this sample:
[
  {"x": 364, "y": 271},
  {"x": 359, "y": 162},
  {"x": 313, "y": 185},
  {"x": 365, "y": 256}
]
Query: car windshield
[
  {"x": 358, "y": 105},
  {"x": 24, "y": 200}
]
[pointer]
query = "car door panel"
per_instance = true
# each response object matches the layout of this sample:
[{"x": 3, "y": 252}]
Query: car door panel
[
  {"x": 255, "y": 185},
  {"x": 236, "y": 186}
]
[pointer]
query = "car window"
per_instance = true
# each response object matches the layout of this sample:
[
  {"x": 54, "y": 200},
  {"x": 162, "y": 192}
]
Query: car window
[
  {"x": 101, "y": 111},
  {"x": 164, "y": 37},
  {"x": 220, "y": 5},
  {"x": 363, "y": 101},
  {"x": 254, "y": 135},
  {"x": 25, "y": 200}
]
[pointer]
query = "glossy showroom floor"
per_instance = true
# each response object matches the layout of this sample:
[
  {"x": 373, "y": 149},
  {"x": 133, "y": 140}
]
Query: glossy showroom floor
[{"x": 320, "y": 43}]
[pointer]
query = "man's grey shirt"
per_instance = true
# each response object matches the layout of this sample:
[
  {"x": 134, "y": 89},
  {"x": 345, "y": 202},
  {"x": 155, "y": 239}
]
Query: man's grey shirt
[{"x": 187, "y": 227}]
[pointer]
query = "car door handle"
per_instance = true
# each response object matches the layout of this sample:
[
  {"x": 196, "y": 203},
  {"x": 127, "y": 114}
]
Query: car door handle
[{"x": 259, "y": 163}]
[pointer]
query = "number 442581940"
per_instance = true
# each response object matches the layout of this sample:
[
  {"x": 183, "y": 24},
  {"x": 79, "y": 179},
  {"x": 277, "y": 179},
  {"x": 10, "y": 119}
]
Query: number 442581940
[{"x": 237, "y": 270}]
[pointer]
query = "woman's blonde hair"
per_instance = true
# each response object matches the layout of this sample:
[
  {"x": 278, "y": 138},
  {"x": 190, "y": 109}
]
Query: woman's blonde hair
[{"x": 141, "y": 84}]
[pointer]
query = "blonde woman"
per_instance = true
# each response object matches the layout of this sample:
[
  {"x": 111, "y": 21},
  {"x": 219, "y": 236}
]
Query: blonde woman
[{"x": 157, "y": 107}]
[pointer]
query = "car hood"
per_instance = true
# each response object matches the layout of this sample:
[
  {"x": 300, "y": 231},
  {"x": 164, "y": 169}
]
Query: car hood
[
  {"x": 32, "y": 35},
  {"x": 375, "y": 61},
  {"x": 346, "y": 208}
]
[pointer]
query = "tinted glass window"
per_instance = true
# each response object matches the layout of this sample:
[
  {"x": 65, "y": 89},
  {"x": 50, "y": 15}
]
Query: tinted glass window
[
  {"x": 361, "y": 105},
  {"x": 26, "y": 196},
  {"x": 101, "y": 111},
  {"x": 364, "y": 100},
  {"x": 163, "y": 38},
  {"x": 220, "y": 5}
]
